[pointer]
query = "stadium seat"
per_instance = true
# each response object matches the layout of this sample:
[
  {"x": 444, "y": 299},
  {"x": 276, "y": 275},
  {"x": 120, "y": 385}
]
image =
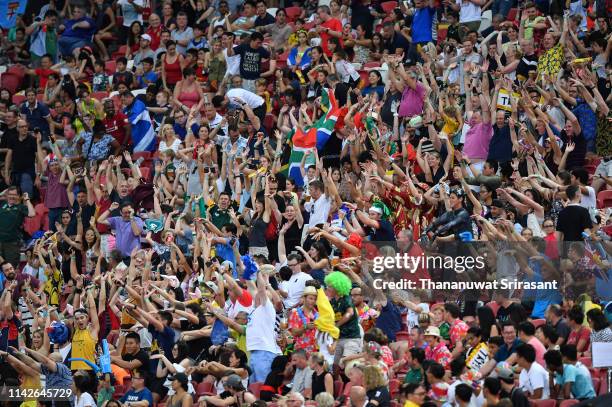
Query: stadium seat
[
  {"x": 512, "y": 14},
  {"x": 18, "y": 98},
  {"x": 293, "y": 13},
  {"x": 145, "y": 172},
  {"x": 402, "y": 336},
  {"x": 538, "y": 322},
  {"x": 100, "y": 96},
  {"x": 110, "y": 66},
  {"x": 10, "y": 82},
  {"x": 372, "y": 64},
  {"x": 604, "y": 199},
  {"x": 255, "y": 388},
  {"x": 543, "y": 403},
  {"x": 568, "y": 403},
  {"x": 205, "y": 389},
  {"x": 268, "y": 123},
  {"x": 388, "y": 6},
  {"x": 143, "y": 154}
]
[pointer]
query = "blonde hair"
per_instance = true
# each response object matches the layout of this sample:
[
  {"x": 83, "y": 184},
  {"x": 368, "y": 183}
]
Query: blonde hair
[
  {"x": 373, "y": 377},
  {"x": 324, "y": 400},
  {"x": 319, "y": 359}
]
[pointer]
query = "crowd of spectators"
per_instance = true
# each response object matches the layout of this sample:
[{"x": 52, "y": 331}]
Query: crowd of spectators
[{"x": 170, "y": 234}]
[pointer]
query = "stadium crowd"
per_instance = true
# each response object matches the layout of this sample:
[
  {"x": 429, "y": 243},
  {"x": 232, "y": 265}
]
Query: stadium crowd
[{"x": 193, "y": 195}]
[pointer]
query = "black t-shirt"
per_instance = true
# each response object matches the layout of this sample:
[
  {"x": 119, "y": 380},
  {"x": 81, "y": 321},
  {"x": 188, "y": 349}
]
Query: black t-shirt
[
  {"x": 384, "y": 233},
  {"x": 526, "y": 64},
  {"x": 518, "y": 398},
  {"x": 250, "y": 60},
  {"x": 24, "y": 153},
  {"x": 500, "y": 146},
  {"x": 575, "y": 159},
  {"x": 145, "y": 368},
  {"x": 198, "y": 348},
  {"x": 572, "y": 221},
  {"x": 266, "y": 20},
  {"x": 514, "y": 312},
  {"x": 386, "y": 111},
  {"x": 7, "y": 135},
  {"x": 397, "y": 41},
  {"x": 361, "y": 15},
  {"x": 125, "y": 77},
  {"x": 87, "y": 212},
  {"x": 562, "y": 329}
]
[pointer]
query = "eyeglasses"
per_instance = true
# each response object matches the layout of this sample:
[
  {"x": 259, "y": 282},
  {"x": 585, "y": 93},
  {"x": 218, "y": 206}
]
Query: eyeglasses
[
  {"x": 293, "y": 265},
  {"x": 549, "y": 226}
]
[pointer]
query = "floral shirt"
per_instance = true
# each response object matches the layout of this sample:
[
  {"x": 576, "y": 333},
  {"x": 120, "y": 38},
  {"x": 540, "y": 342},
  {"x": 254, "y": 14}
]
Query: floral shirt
[
  {"x": 439, "y": 354},
  {"x": 457, "y": 331},
  {"x": 100, "y": 149},
  {"x": 307, "y": 340}
]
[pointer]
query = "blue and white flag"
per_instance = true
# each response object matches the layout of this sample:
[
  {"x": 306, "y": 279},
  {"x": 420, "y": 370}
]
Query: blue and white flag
[
  {"x": 304, "y": 62},
  {"x": 143, "y": 135},
  {"x": 9, "y": 9}
]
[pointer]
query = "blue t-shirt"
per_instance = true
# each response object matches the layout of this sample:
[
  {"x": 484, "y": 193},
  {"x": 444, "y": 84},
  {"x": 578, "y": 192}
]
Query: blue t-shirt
[
  {"x": 504, "y": 351},
  {"x": 83, "y": 33},
  {"x": 133, "y": 395},
  {"x": 422, "y": 21},
  {"x": 165, "y": 338},
  {"x": 390, "y": 320},
  {"x": 582, "y": 385}
]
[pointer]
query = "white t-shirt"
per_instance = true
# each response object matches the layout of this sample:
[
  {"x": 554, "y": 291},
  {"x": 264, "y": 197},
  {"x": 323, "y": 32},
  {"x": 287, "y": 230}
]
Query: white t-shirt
[
  {"x": 129, "y": 11},
  {"x": 589, "y": 201},
  {"x": 294, "y": 288},
  {"x": 413, "y": 318},
  {"x": 84, "y": 401},
  {"x": 250, "y": 98},
  {"x": 232, "y": 64},
  {"x": 469, "y": 11},
  {"x": 176, "y": 144},
  {"x": 260, "y": 334},
  {"x": 535, "y": 378},
  {"x": 319, "y": 210}
]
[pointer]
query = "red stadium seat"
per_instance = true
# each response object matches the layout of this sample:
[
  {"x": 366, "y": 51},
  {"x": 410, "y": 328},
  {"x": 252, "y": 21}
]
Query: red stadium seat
[
  {"x": 568, "y": 403},
  {"x": 205, "y": 389},
  {"x": 604, "y": 199},
  {"x": 110, "y": 66},
  {"x": 255, "y": 388},
  {"x": 100, "y": 96},
  {"x": 293, "y": 13},
  {"x": 512, "y": 14},
  {"x": 10, "y": 82},
  {"x": 603, "y": 386},
  {"x": 145, "y": 172},
  {"x": 143, "y": 154},
  {"x": 538, "y": 322},
  {"x": 402, "y": 336},
  {"x": 372, "y": 64},
  {"x": 268, "y": 123},
  {"x": 18, "y": 99},
  {"x": 388, "y": 6}
]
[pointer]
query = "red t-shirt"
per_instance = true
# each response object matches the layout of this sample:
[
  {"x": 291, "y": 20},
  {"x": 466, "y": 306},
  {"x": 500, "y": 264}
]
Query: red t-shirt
[
  {"x": 43, "y": 74},
  {"x": 115, "y": 126},
  {"x": 574, "y": 337},
  {"x": 334, "y": 25},
  {"x": 155, "y": 37}
]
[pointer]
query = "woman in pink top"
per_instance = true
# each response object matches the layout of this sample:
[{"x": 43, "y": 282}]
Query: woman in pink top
[
  {"x": 478, "y": 137},
  {"x": 188, "y": 92}
]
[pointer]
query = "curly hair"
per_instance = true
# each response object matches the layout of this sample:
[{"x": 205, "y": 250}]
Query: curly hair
[{"x": 339, "y": 282}]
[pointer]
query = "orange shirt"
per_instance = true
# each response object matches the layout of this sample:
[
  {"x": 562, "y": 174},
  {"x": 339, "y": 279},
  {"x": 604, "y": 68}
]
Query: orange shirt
[{"x": 334, "y": 25}]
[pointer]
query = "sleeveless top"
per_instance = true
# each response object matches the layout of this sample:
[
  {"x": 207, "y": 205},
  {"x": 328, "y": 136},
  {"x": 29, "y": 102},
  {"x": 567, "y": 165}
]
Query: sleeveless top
[
  {"x": 173, "y": 71},
  {"x": 216, "y": 69},
  {"x": 257, "y": 236},
  {"x": 83, "y": 346},
  {"x": 189, "y": 99}
]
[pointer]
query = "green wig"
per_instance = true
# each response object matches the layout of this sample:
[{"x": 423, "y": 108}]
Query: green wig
[{"x": 339, "y": 282}]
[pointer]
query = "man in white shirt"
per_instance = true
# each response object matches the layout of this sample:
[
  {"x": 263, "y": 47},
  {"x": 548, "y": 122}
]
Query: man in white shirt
[
  {"x": 260, "y": 333},
  {"x": 533, "y": 378},
  {"x": 292, "y": 289},
  {"x": 241, "y": 98},
  {"x": 318, "y": 206},
  {"x": 580, "y": 178}
]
